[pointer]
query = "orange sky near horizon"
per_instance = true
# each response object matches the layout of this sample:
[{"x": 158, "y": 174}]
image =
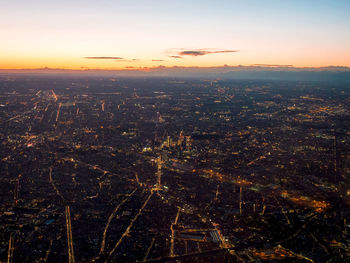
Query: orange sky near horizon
[
  {"x": 213, "y": 60},
  {"x": 136, "y": 34}
]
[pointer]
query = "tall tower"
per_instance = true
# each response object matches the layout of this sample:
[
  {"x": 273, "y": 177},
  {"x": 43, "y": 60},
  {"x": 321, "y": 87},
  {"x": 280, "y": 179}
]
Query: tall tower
[
  {"x": 135, "y": 94},
  {"x": 240, "y": 200},
  {"x": 159, "y": 173},
  {"x": 181, "y": 138},
  {"x": 168, "y": 141}
]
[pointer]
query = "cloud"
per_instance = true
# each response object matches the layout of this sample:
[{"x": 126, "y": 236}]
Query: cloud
[
  {"x": 175, "y": 57},
  {"x": 194, "y": 53},
  {"x": 103, "y": 58},
  {"x": 202, "y": 52},
  {"x": 157, "y": 60}
]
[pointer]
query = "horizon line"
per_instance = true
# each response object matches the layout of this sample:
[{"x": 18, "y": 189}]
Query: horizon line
[{"x": 249, "y": 66}]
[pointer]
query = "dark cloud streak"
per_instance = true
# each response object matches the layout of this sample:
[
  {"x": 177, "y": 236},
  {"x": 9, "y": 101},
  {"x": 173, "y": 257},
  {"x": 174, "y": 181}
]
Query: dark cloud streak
[
  {"x": 175, "y": 57},
  {"x": 202, "y": 52}
]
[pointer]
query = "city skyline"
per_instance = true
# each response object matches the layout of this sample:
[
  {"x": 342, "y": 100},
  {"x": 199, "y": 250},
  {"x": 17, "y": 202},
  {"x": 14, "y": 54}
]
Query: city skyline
[{"x": 119, "y": 35}]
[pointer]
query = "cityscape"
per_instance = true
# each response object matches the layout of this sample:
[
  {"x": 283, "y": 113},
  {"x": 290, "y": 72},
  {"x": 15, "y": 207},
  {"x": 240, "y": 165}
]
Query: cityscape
[
  {"x": 174, "y": 131},
  {"x": 116, "y": 169}
]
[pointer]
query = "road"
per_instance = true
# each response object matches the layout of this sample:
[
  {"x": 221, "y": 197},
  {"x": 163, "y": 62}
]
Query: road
[
  {"x": 149, "y": 249},
  {"x": 10, "y": 250},
  {"x": 173, "y": 233},
  {"x": 129, "y": 227},
  {"x": 69, "y": 236},
  {"x": 110, "y": 219},
  {"x": 54, "y": 186},
  {"x": 58, "y": 111}
]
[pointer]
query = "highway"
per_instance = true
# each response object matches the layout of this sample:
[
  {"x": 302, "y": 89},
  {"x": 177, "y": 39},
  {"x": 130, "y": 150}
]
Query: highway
[
  {"x": 10, "y": 250},
  {"x": 217, "y": 193},
  {"x": 69, "y": 236},
  {"x": 173, "y": 233},
  {"x": 110, "y": 219},
  {"x": 58, "y": 111},
  {"x": 149, "y": 249},
  {"x": 48, "y": 251},
  {"x": 129, "y": 227},
  {"x": 97, "y": 168},
  {"x": 54, "y": 186}
]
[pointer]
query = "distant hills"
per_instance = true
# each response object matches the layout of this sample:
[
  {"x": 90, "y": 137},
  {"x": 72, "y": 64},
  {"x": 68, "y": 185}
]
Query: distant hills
[{"x": 255, "y": 72}]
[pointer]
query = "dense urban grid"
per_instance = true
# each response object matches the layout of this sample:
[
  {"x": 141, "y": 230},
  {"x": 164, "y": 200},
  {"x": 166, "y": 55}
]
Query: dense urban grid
[{"x": 173, "y": 170}]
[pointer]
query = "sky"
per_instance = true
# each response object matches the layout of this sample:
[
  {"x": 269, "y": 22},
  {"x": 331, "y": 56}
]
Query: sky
[{"x": 118, "y": 34}]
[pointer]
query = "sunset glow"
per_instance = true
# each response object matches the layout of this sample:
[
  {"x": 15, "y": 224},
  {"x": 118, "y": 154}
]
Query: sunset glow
[{"x": 138, "y": 34}]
